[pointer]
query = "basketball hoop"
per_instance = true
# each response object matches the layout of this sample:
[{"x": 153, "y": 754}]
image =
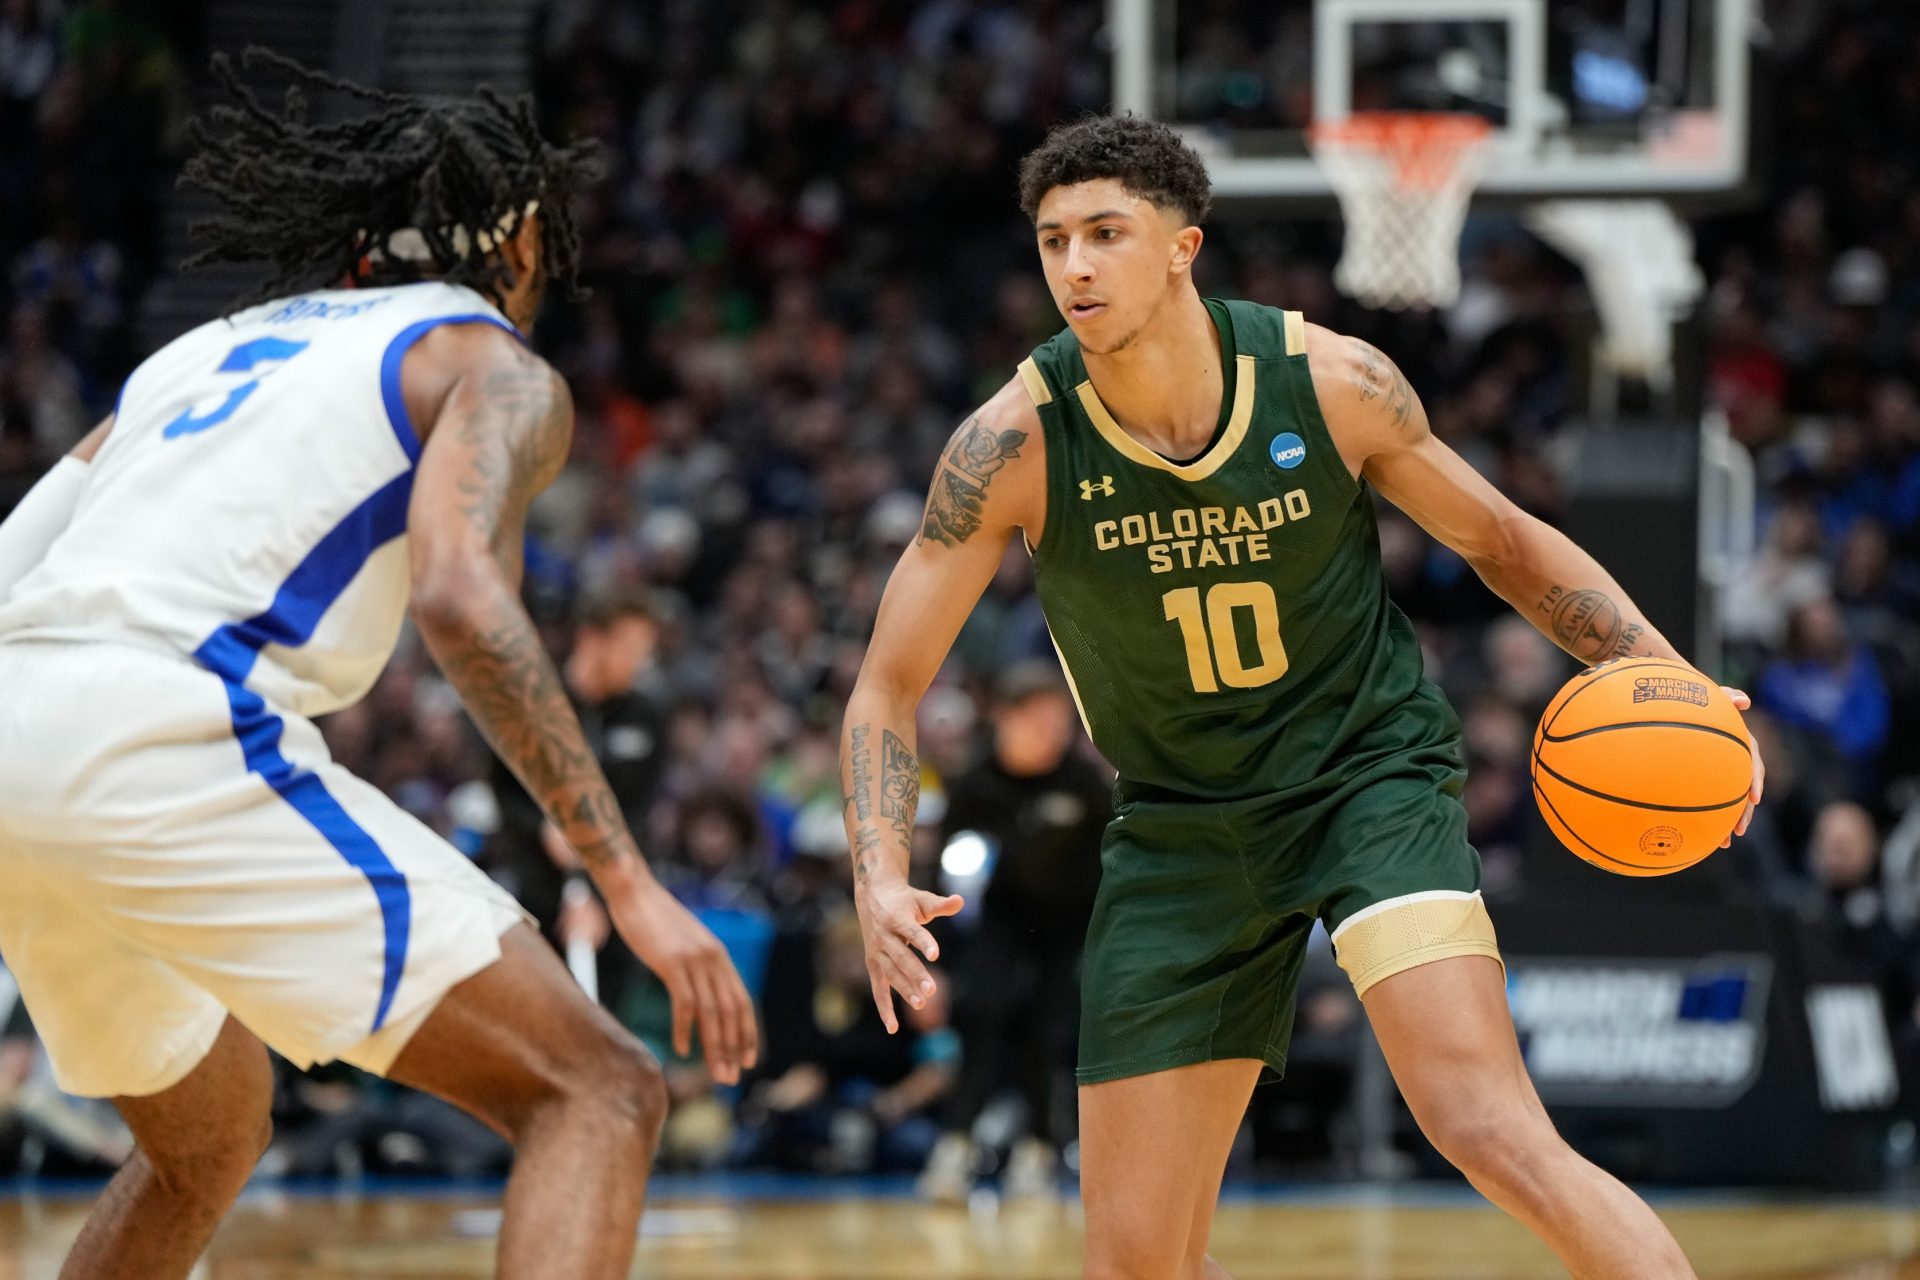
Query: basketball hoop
[
  {"x": 1404, "y": 180},
  {"x": 1639, "y": 263}
]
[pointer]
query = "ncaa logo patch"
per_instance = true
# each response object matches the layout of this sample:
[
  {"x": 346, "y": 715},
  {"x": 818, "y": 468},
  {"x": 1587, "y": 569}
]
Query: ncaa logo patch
[{"x": 1287, "y": 451}]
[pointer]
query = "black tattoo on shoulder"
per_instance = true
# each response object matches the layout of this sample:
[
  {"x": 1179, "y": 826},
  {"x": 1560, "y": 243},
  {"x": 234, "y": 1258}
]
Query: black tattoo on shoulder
[
  {"x": 1588, "y": 624},
  {"x": 899, "y": 783},
  {"x": 1376, "y": 376},
  {"x": 516, "y": 439},
  {"x": 959, "y": 489}
]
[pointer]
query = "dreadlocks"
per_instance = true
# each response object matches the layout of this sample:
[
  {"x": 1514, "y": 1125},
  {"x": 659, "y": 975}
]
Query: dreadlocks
[{"x": 414, "y": 187}]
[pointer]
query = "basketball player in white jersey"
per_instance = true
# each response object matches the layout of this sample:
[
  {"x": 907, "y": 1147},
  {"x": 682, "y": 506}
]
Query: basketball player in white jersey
[{"x": 185, "y": 877}]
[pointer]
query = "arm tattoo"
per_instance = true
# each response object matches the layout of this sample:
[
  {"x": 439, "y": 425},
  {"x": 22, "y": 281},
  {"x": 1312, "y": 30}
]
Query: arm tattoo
[
  {"x": 860, "y": 773},
  {"x": 959, "y": 490},
  {"x": 867, "y": 839},
  {"x": 515, "y": 696},
  {"x": 1375, "y": 375},
  {"x": 899, "y": 784},
  {"x": 513, "y": 441},
  {"x": 1588, "y": 624},
  {"x": 865, "y": 845}
]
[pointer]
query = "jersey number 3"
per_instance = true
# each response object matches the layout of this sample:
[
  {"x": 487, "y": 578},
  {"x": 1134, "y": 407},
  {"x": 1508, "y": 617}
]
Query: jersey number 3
[
  {"x": 245, "y": 358},
  {"x": 1212, "y": 639}
]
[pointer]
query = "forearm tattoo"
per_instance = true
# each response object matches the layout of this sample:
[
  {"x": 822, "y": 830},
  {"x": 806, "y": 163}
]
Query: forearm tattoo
[
  {"x": 860, "y": 773},
  {"x": 959, "y": 489},
  {"x": 866, "y": 849},
  {"x": 1588, "y": 624},
  {"x": 513, "y": 442},
  {"x": 899, "y": 788},
  {"x": 899, "y": 784},
  {"x": 515, "y": 697},
  {"x": 867, "y": 839}
]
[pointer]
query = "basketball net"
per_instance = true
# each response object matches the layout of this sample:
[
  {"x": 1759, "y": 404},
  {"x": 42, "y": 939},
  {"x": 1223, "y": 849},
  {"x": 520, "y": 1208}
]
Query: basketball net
[{"x": 1404, "y": 180}]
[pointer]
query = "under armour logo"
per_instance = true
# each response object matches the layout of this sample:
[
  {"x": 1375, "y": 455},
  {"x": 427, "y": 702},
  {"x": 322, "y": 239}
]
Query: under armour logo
[{"x": 1088, "y": 488}]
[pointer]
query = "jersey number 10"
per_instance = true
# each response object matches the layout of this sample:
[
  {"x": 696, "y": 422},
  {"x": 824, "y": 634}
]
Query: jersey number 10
[{"x": 1213, "y": 641}]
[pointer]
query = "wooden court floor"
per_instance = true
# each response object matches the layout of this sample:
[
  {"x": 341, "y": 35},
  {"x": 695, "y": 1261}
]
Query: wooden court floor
[{"x": 1324, "y": 1234}]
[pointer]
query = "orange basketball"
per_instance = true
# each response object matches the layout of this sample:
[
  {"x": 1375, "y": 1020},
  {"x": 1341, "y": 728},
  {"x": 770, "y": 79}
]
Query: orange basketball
[{"x": 1641, "y": 766}]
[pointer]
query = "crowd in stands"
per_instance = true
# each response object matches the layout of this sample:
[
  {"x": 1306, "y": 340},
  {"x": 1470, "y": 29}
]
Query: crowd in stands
[
  {"x": 93, "y": 98},
  {"x": 806, "y": 266}
]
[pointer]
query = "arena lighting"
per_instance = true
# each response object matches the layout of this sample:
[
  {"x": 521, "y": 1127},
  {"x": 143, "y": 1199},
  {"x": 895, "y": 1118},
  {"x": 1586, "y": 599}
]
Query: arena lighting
[{"x": 965, "y": 855}]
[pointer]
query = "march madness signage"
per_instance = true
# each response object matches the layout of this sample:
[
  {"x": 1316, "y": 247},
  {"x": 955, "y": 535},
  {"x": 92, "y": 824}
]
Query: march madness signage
[
  {"x": 1852, "y": 1052},
  {"x": 1641, "y": 1033}
]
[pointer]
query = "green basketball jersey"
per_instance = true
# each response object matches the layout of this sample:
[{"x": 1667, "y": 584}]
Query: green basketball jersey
[{"x": 1224, "y": 622}]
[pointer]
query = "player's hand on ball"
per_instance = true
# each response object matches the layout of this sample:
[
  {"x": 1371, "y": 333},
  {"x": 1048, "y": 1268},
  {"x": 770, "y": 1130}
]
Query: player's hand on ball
[
  {"x": 1742, "y": 701},
  {"x": 699, "y": 975},
  {"x": 893, "y": 920}
]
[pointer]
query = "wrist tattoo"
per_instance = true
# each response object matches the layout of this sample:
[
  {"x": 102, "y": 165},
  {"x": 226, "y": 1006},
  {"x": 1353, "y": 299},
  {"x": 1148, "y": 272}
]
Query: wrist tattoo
[{"x": 866, "y": 844}]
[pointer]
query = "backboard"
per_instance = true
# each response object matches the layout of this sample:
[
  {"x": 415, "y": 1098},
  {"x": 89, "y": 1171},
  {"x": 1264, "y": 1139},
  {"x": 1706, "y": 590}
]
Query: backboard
[{"x": 1587, "y": 97}]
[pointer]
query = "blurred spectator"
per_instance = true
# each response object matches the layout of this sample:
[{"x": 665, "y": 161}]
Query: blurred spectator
[
  {"x": 715, "y": 864},
  {"x": 1829, "y": 686},
  {"x": 1497, "y": 737},
  {"x": 1900, "y": 872},
  {"x": 1773, "y": 853},
  {"x": 1788, "y": 572},
  {"x": 41, "y": 1128},
  {"x": 39, "y": 387},
  {"x": 28, "y": 50},
  {"x": 75, "y": 281},
  {"x": 1297, "y": 1119},
  {"x": 1523, "y": 667},
  {"x": 1844, "y": 860},
  {"x": 1028, "y": 819},
  {"x": 838, "y": 1094},
  {"x": 332, "y": 1121},
  {"x": 1849, "y": 895},
  {"x": 1877, "y": 591}
]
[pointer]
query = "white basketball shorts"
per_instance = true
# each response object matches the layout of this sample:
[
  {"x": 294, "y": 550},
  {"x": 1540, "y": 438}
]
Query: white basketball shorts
[{"x": 173, "y": 851}]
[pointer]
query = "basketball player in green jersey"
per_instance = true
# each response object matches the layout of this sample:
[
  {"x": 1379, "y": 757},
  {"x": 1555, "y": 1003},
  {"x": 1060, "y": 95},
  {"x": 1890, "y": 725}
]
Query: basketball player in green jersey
[{"x": 1195, "y": 482}]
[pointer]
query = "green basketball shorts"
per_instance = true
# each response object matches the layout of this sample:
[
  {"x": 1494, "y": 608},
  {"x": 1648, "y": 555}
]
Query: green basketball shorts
[{"x": 1205, "y": 908}]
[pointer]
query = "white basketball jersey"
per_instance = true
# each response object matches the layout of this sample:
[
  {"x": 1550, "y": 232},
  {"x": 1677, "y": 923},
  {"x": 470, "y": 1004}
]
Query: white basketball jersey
[{"x": 249, "y": 507}]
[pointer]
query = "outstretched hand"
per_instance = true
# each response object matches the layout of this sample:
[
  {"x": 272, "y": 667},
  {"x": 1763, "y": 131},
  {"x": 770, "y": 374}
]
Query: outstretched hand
[
  {"x": 1743, "y": 702},
  {"x": 893, "y": 921},
  {"x": 699, "y": 976}
]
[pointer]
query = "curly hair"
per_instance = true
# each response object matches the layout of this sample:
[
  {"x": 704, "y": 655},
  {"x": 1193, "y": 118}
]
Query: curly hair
[
  {"x": 414, "y": 187},
  {"x": 1143, "y": 156}
]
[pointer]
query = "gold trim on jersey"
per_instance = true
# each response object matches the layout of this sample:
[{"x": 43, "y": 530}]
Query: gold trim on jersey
[
  {"x": 1066, "y": 669},
  {"x": 1296, "y": 333},
  {"x": 1207, "y": 463},
  {"x": 1037, "y": 389},
  {"x": 1406, "y": 932}
]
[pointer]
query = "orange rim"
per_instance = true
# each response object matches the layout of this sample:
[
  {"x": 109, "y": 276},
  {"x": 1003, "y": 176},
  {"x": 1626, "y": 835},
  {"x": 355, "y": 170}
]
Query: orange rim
[{"x": 1426, "y": 147}]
